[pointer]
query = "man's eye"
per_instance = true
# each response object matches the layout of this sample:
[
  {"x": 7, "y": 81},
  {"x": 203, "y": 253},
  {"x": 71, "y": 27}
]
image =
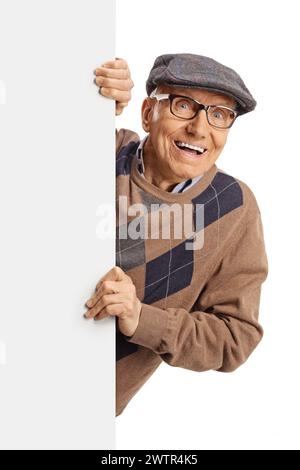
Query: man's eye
[
  {"x": 218, "y": 115},
  {"x": 184, "y": 105}
]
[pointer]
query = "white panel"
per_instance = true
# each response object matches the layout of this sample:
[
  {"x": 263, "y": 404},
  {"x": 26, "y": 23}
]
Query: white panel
[{"x": 57, "y": 379}]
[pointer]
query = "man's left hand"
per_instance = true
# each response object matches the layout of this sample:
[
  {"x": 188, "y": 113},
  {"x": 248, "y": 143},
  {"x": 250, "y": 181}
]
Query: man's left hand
[{"x": 116, "y": 296}]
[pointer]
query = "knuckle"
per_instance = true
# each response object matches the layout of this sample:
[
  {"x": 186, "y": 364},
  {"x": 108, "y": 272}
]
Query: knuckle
[
  {"x": 103, "y": 81},
  {"x": 105, "y": 285},
  {"x": 109, "y": 309},
  {"x": 104, "y": 72},
  {"x": 117, "y": 270},
  {"x": 110, "y": 93}
]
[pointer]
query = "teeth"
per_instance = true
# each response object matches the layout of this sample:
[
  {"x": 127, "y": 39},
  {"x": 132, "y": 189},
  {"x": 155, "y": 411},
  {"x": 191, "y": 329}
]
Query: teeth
[{"x": 193, "y": 147}]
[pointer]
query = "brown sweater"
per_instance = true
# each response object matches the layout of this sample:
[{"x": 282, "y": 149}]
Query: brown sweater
[{"x": 199, "y": 307}]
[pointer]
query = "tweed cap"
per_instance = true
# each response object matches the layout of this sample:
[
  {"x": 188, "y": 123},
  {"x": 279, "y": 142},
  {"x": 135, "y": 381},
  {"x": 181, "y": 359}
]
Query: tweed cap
[{"x": 196, "y": 71}]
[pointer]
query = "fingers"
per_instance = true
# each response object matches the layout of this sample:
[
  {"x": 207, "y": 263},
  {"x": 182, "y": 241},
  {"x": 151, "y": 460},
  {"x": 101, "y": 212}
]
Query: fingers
[
  {"x": 114, "y": 70},
  {"x": 116, "y": 63},
  {"x": 113, "y": 287},
  {"x": 120, "y": 107},
  {"x": 114, "y": 82},
  {"x": 121, "y": 74},
  {"x": 116, "y": 95},
  {"x": 118, "y": 84},
  {"x": 114, "y": 274},
  {"x": 107, "y": 287},
  {"x": 110, "y": 310},
  {"x": 106, "y": 299}
]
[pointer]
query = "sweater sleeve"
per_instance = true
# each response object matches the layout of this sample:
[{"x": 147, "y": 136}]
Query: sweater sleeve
[{"x": 222, "y": 329}]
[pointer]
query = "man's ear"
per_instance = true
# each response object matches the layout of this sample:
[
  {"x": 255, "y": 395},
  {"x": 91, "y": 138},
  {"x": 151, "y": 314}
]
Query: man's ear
[{"x": 147, "y": 113}]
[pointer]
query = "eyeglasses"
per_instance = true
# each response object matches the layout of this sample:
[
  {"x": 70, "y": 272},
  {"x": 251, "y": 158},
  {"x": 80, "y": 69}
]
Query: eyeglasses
[{"x": 185, "y": 107}]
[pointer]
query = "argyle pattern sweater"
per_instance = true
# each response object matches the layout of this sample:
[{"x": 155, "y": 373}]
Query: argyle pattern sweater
[{"x": 200, "y": 306}]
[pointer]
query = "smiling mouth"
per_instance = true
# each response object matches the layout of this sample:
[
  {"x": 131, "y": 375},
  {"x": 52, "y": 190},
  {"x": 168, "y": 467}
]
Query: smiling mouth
[{"x": 190, "y": 150}]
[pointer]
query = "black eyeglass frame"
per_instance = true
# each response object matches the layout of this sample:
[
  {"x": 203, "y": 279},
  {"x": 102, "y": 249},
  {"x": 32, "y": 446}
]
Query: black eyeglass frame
[{"x": 171, "y": 96}]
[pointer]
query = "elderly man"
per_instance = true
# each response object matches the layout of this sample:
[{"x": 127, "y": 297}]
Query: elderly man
[{"x": 190, "y": 298}]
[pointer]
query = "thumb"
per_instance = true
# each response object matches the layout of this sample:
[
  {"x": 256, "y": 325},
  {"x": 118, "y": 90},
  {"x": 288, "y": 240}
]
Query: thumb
[{"x": 114, "y": 274}]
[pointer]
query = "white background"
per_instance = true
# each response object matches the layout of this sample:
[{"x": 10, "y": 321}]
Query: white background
[
  {"x": 56, "y": 141},
  {"x": 257, "y": 406}
]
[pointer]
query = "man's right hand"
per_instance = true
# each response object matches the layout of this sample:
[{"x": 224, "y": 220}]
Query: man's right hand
[{"x": 114, "y": 81}]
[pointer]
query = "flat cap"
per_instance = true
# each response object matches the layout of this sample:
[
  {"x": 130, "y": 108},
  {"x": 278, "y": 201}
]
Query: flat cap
[{"x": 197, "y": 71}]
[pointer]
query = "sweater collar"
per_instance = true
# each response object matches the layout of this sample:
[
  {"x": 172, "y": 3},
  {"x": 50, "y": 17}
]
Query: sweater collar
[{"x": 185, "y": 196}]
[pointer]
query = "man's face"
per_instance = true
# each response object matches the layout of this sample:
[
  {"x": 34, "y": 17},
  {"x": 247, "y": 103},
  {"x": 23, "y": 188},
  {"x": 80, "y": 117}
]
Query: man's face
[{"x": 164, "y": 161}]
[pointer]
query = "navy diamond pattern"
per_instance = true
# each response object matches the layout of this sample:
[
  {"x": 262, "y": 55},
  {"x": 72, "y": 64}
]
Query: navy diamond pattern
[
  {"x": 172, "y": 271},
  {"x": 125, "y": 157},
  {"x": 168, "y": 273}
]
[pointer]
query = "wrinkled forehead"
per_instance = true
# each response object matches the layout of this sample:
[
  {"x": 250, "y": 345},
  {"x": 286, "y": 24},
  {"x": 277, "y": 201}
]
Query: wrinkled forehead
[{"x": 199, "y": 94}]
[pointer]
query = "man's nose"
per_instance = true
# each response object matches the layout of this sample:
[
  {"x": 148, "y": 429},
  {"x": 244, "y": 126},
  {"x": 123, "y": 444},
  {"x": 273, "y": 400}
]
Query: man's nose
[{"x": 199, "y": 124}]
